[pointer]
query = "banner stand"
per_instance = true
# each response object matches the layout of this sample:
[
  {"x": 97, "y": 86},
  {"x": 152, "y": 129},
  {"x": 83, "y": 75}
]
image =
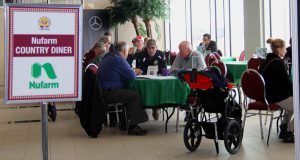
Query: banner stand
[{"x": 44, "y": 122}]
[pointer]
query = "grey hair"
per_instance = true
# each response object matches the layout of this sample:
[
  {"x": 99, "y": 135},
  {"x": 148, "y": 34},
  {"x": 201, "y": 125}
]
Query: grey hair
[
  {"x": 121, "y": 46},
  {"x": 187, "y": 44}
]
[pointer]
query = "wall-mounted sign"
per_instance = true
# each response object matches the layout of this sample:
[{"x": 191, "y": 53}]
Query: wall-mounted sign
[{"x": 43, "y": 53}]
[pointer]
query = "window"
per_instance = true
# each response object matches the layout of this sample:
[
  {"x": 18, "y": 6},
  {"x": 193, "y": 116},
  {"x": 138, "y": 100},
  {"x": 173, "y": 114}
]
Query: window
[
  {"x": 200, "y": 20},
  {"x": 277, "y": 19},
  {"x": 223, "y": 19},
  {"x": 237, "y": 27},
  {"x": 178, "y": 21},
  {"x": 220, "y": 25}
]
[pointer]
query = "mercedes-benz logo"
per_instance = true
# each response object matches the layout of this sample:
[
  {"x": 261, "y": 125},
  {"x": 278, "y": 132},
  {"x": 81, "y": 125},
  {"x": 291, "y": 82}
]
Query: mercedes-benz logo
[{"x": 95, "y": 23}]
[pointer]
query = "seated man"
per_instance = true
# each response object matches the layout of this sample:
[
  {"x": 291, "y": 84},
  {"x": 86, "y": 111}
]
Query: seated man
[
  {"x": 151, "y": 57},
  {"x": 188, "y": 59},
  {"x": 138, "y": 47},
  {"x": 112, "y": 73},
  {"x": 208, "y": 43}
]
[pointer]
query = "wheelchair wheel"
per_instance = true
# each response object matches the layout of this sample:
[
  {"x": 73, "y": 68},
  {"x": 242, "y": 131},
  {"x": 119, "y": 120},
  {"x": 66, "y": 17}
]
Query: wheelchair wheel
[
  {"x": 192, "y": 134},
  {"x": 233, "y": 136}
]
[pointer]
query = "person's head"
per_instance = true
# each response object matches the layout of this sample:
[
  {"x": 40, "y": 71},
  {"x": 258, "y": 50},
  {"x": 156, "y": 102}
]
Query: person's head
[
  {"x": 277, "y": 46},
  {"x": 106, "y": 41},
  {"x": 122, "y": 48},
  {"x": 138, "y": 42},
  {"x": 109, "y": 35},
  {"x": 146, "y": 39},
  {"x": 185, "y": 49},
  {"x": 99, "y": 48},
  {"x": 151, "y": 47},
  {"x": 206, "y": 38}
]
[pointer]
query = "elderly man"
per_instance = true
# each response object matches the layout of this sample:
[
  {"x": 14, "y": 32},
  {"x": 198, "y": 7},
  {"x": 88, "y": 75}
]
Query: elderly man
[
  {"x": 138, "y": 46},
  {"x": 151, "y": 57},
  {"x": 188, "y": 59},
  {"x": 112, "y": 73},
  {"x": 208, "y": 43}
]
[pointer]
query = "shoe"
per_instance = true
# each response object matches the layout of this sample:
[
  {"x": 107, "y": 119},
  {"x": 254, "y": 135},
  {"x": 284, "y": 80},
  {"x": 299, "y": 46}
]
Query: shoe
[
  {"x": 289, "y": 138},
  {"x": 137, "y": 131},
  {"x": 155, "y": 114},
  {"x": 283, "y": 131}
]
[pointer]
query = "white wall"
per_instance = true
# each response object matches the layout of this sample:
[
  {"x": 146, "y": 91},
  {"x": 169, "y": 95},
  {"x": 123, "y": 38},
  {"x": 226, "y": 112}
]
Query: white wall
[
  {"x": 253, "y": 26},
  {"x": 126, "y": 33}
]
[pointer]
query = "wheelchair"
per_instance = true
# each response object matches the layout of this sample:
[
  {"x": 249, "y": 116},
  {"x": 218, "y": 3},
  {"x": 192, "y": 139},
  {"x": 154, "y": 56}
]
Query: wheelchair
[{"x": 216, "y": 113}]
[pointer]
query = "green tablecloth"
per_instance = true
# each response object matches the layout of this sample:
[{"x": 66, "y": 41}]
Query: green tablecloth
[
  {"x": 228, "y": 59},
  {"x": 236, "y": 68},
  {"x": 157, "y": 92}
]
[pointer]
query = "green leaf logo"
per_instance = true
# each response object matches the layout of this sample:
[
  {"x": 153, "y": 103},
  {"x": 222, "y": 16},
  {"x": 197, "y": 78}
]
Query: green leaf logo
[{"x": 36, "y": 70}]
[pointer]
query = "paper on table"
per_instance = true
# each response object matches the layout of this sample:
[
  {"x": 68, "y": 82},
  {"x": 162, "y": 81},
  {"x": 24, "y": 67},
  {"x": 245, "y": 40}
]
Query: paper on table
[{"x": 155, "y": 77}]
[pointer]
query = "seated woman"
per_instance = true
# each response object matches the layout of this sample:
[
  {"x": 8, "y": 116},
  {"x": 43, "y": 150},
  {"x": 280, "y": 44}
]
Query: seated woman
[{"x": 279, "y": 87}]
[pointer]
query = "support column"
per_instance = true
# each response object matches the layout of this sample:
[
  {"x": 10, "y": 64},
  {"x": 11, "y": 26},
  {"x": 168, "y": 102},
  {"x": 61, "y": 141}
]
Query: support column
[{"x": 253, "y": 22}]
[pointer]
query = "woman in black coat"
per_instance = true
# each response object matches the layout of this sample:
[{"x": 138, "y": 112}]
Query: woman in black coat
[{"x": 279, "y": 87}]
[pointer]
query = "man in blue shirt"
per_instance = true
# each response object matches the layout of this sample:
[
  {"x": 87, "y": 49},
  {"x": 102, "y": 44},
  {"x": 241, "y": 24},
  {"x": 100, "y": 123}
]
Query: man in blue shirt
[{"x": 113, "y": 71}]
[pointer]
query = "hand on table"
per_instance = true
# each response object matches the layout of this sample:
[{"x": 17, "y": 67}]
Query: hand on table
[{"x": 138, "y": 71}]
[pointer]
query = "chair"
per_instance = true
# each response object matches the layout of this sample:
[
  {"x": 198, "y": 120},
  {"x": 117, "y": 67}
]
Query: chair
[
  {"x": 170, "y": 57},
  {"x": 111, "y": 107},
  {"x": 220, "y": 53},
  {"x": 218, "y": 56},
  {"x": 242, "y": 56},
  {"x": 210, "y": 58},
  {"x": 221, "y": 66},
  {"x": 254, "y": 63},
  {"x": 93, "y": 67},
  {"x": 253, "y": 86}
]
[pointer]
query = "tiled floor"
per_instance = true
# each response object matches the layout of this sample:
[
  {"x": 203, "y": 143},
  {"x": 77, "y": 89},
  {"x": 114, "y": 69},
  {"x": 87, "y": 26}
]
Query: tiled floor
[{"x": 68, "y": 141}]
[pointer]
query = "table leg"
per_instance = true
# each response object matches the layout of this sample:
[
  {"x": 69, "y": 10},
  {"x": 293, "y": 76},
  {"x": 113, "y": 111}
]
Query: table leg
[{"x": 168, "y": 118}]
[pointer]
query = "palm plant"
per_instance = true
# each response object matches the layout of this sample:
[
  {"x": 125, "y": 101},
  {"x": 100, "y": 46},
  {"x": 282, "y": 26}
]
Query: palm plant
[
  {"x": 128, "y": 10},
  {"x": 152, "y": 10},
  {"x": 120, "y": 14}
]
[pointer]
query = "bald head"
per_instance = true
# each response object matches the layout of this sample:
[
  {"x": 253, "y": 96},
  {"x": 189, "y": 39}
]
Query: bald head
[{"x": 185, "y": 48}]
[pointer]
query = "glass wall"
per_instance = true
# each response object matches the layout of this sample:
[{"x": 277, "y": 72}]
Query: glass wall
[
  {"x": 237, "y": 26},
  {"x": 178, "y": 21},
  {"x": 277, "y": 19},
  {"x": 223, "y": 19},
  {"x": 200, "y": 20}
]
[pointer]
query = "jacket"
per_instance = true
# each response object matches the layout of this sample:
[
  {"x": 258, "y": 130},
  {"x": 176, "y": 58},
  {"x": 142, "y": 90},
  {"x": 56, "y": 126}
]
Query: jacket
[
  {"x": 278, "y": 84},
  {"x": 92, "y": 108},
  {"x": 144, "y": 60}
]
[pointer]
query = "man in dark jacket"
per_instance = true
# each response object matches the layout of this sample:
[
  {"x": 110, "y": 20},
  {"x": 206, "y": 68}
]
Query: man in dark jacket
[
  {"x": 112, "y": 73},
  {"x": 208, "y": 43},
  {"x": 151, "y": 56}
]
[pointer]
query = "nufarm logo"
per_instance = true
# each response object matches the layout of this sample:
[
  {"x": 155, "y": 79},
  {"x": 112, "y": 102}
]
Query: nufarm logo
[{"x": 36, "y": 72}]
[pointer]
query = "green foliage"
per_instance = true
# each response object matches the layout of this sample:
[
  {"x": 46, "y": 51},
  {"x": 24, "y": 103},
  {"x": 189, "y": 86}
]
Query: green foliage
[
  {"x": 153, "y": 9},
  {"x": 123, "y": 11},
  {"x": 142, "y": 30}
]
